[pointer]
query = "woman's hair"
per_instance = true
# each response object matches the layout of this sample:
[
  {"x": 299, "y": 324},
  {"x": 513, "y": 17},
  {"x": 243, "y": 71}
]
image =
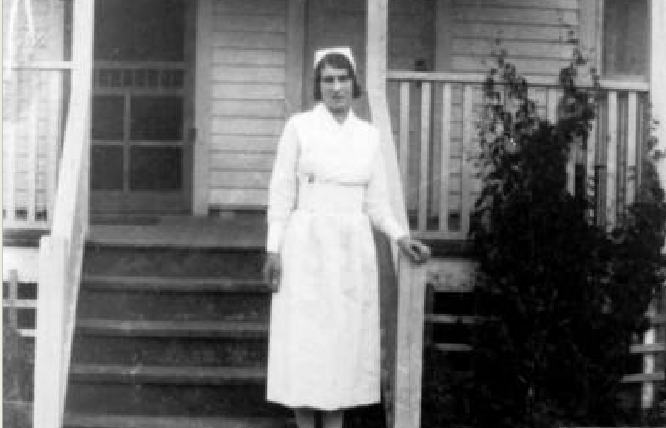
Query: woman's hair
[{"x": 335, "y": 60}]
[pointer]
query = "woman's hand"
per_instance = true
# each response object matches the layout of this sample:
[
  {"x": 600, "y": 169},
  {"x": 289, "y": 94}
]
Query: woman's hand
[
  {"x": 415, "y": 250},
  {"x": 272, "y": 271}
]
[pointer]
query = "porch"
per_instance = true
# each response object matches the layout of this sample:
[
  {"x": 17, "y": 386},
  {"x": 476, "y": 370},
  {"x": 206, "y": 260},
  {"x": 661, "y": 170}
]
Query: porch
[{"x": 426, "y": 118}]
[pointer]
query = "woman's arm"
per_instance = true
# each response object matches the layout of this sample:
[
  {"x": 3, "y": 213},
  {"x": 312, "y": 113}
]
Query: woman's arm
[
  {"x": 281, "y": 201},
  {"x": 378, "y": 208}
]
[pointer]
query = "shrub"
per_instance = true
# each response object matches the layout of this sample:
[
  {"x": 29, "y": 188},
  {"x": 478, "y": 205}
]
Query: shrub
[{"x": 568, "y": 297}]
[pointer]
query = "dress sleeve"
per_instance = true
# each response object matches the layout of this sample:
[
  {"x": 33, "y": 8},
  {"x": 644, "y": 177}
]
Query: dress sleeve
[
  {"x": 282, "y": 188},
  {"x": 377, "y": 204}
]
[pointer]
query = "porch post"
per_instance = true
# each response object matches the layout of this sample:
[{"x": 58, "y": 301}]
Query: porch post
[
  {"x": 658, "y": 78},
  {"x": 376, "y": 72}
]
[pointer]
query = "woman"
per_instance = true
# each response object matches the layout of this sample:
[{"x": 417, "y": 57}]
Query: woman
[{"x": 327, "y": 187}]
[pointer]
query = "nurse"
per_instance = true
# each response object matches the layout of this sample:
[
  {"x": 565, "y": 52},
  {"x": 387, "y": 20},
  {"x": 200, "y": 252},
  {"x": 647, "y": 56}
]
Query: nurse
[{"x": 327, "y": 190}]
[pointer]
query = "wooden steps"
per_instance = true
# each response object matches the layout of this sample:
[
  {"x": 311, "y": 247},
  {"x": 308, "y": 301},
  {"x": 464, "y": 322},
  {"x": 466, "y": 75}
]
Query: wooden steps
[
  {"x": 131, "y": 421},
  {"x": 172, "y": 331},
  {"x": 209, "y": 329},
  {"x": 174, "y": 375}
]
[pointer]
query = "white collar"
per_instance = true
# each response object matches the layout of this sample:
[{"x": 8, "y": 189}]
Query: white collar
[{"x": 321, "y": 110}]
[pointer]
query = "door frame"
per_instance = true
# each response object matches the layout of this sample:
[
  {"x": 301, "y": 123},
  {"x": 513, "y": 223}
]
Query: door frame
[{"x": 171, "y": 201}]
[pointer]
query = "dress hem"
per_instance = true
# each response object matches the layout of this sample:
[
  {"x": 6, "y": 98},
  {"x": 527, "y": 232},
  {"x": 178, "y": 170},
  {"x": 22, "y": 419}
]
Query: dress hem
[{"x": 303, "y": 405}]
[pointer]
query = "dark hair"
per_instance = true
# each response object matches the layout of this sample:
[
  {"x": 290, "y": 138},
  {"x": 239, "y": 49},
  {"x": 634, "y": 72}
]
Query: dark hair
[{"x": 335, "y": 60}]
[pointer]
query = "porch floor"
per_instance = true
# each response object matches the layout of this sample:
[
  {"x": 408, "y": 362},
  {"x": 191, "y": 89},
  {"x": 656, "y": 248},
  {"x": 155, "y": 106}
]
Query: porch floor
[{"x": 182, "y": 232}]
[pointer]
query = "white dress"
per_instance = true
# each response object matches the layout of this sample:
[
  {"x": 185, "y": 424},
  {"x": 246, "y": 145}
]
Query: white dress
[{"x": 327, "y": 187}]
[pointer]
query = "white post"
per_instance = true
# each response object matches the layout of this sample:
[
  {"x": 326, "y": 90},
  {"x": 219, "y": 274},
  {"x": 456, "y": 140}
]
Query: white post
[
  {"x": 658, "y": 77},
  {"x": 658, "y": 104},
  {"x": 49, "y": 338},
  {"x": 376, "y": 68}
]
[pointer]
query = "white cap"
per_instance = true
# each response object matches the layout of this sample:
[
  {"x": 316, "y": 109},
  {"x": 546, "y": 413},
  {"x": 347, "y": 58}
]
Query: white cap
[{"x": 342, "y": 50}]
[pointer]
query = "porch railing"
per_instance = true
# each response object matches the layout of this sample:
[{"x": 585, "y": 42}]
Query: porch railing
[
  {"x": 61, "y": 252},
  {"x": 33, "y": 112},
  {"x": 434, "y": 118}
]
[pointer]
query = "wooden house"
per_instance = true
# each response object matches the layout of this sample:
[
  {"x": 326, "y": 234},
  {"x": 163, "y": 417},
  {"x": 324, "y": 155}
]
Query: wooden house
[{"x": 138, "y": 139}]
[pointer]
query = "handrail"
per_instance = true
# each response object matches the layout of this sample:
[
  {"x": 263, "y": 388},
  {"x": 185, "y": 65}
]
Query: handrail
[
  {"x": 61, "y": 253},
  {"x": 638, "y": 85}
]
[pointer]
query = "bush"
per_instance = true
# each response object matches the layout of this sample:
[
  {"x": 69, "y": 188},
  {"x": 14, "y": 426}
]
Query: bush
[{"x": 568, "y": 297}]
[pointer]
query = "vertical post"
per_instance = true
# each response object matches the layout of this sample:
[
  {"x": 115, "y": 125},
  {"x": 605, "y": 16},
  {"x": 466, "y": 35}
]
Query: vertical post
[
  {"x": 658, "y": 84},
  {"x": 466, "y": 170},
  {"x": 48, "y": 404},
  {"x": 445, "y": 158},
  {"x": 409, "y": 358},
  {"x": 202, "y": 119},
  {"x": 376, "y": 67},
  {"x": 611, "y": 161},
  {"x": 403, "y": 138},
  {"x": 424, "y": 170}
]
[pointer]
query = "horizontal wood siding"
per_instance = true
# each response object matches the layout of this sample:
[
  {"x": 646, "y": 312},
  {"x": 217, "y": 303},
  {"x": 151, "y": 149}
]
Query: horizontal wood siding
[
  {"x": 248, "y": 93},
  {"x": 535, "y": 34}
]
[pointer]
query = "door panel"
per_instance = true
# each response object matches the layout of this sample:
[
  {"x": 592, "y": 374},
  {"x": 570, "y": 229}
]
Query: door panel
[{"x": 141, "y": 107}]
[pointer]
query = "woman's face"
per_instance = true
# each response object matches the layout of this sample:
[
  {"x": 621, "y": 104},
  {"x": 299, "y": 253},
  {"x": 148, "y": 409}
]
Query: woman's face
[{"x": 336, "y": 89}]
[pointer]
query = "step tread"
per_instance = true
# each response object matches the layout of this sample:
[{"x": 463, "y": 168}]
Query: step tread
[
  {"x": 132, "y": 421},
  {"x": 172, "y": 284},
  {"x": 182, "y": 375},
  {"x": 171, "y": 328}
]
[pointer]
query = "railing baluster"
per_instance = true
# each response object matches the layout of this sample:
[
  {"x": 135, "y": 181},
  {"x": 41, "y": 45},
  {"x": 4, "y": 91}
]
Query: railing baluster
[
  {"x": 631, "y": 148},
  {"x": 445, "y": 173},
  {"x": 465, "y": 179},
  {"x": 611, "y": 161},
  {"x": 32, "y": 147},
  {"x": 425, "y": 157},
  {"x": 591, "y": 162},
  {"x": 51, "y": 176},
  {"x": 403, "y": 141},
  {"x": 12, "y": 153}
]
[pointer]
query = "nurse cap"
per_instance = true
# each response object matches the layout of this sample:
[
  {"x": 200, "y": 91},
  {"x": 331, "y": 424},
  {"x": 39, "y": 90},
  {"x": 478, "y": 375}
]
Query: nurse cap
[{"x": 345, "y": 51}]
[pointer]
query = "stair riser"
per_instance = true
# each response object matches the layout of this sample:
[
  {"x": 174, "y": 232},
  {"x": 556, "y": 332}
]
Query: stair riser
[
  {"x": 128, "y": 261},
  {"x": 169, "y": 351},
  {"x": 152, "y": 400},
  {"x": 173, "y": 306}
]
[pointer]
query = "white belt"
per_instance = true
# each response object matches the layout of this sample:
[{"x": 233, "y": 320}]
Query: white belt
[{"x": 330, "y": 196}]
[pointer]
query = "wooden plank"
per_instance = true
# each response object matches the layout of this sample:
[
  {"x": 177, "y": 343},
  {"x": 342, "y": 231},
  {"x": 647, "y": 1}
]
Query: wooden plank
[
  {"x": 468, "y": 135},
  {"x": 490, "y": 31},
  {"x": 611, "y": 161},
  {"x": 527, "y": 48},
  {"x": 33, "y": 113},
  {"x": 249, "y": 40},
  {"x": 451, "y": 319},
  {"x": 445, "y": 170},
  {"x": 443, "y": 34},
  {"x": 250, "y": 23},
  {"x": 240, "y": 91},
  {"x": 244, "y": 143},
  {"x": 532, "y": 4},
  {"x": 202, "y": 119},
  {"x": 239, "y": 197},
  {"x": 424, "y": 176},
  {"x": 260, "y": 109},
  {"x": 233, "y": 7},
  {"x": 537, "y": 66},
  {"x": 248, "y": 74},
  {"x": 52, "y": 152},
  {"x": 239, "y": 179},
  {"x": 244, "y": 126},
  {"x": 13, "y": 297},
  {"x": 257, "y": 57},
  {"x": 591, "y": 163},
  {"x": 404, "y": 140},
  {"x": 241, "y": 161},
  {"x": 469, "y": 13},
  {"x": 296, "y": 18},
  {"x": 632, "y": 120},
  {"x": 648, "y": 390},
  {"x": 409, "y": 345}
]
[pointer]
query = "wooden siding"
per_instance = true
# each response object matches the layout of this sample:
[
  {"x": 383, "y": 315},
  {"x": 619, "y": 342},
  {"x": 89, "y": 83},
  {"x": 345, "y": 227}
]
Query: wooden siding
[
  {"x": 32, "y": 101},
  {"x": 248, "y": 90}
]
